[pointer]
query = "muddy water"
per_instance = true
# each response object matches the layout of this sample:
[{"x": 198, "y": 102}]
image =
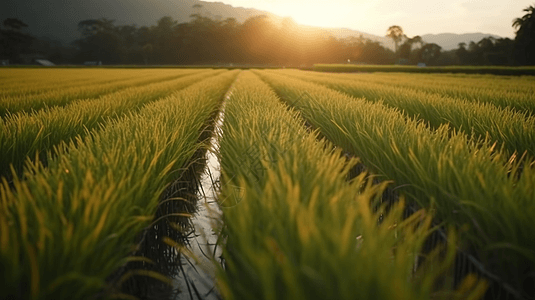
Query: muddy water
[{"x": 197, "y": 277}]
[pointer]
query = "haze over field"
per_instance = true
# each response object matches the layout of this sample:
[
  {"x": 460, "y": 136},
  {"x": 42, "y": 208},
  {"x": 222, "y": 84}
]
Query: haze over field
[
  {"x": 290, "y": 32},
  {"x": 417, "y": 17},
  {"x": 58, "y": 19}
]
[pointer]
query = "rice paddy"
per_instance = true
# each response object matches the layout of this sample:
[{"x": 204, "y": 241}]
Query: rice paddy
[{"x": 331, "y": 186}]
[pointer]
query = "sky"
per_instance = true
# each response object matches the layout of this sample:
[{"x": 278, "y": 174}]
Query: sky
[{"x": 416, "y": 17}]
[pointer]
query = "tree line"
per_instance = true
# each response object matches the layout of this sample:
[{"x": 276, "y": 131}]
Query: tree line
[
  {"x": 203, "y": 40},
  {"x": 487, "y": 51},
  {"x": 259, "y": 40}
]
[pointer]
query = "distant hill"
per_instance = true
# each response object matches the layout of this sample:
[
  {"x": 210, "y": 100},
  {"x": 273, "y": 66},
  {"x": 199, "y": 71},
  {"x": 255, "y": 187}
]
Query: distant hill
[
  {"x": 449, "y": 41},
  {"x": 58, "y": 19}
]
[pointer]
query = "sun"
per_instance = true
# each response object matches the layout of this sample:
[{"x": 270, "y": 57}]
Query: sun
[
  {"x": 306, "y": 14},
  {"x": 320, "y": 13}
]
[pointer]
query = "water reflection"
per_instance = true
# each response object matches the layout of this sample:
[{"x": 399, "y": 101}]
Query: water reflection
[{"x": 197, "y": 277}]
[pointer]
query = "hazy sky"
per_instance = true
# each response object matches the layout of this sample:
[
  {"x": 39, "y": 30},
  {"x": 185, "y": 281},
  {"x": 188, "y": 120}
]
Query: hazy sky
[{"x": 416, "y": 17}]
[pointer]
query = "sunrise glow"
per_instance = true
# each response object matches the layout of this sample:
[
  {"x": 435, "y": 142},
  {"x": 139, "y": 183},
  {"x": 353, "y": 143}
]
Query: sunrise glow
[
  {"x": 417, "y": 17},
  {"x": 316, "y": 13}
]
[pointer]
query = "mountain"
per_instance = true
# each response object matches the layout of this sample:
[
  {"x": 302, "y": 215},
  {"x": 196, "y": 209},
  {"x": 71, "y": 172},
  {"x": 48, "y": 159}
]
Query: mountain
[
  {"x": 58, "y": 19},
  {"x": 447, "y": 41}
]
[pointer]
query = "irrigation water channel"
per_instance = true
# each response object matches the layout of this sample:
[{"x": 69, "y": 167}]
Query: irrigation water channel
[{"x": 196, "y": 279}]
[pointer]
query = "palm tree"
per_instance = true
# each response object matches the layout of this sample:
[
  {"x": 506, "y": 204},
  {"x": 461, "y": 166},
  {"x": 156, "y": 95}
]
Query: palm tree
[
  {"x": 526, "y": 22},
  {"x": 525, "y": 37},
  {"x": 395, "y": 32}
]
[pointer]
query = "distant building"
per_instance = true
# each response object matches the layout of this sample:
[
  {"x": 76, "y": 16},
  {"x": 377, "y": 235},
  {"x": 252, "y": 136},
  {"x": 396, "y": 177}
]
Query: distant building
[
  {"x": 31, "y": 58},
  {"x": 44, "y": 62},
  {"x": 93, "y": 63}
]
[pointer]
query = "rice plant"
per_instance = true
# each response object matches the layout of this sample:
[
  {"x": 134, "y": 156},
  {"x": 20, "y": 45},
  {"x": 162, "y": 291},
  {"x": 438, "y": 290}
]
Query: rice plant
[
  {"x": 24, "y": 136},
  {"x": 295, "y": 228},
  {"x": 496, "y": 70},
  {"x": 506, "y": 92},
  {"x": 513, "y": 130},
  {"x": 465, "y": 181},
  {"x": 26, "y": 85},
  {"x": 11, "y": 105},
  {"x": 66, "y": 228}
]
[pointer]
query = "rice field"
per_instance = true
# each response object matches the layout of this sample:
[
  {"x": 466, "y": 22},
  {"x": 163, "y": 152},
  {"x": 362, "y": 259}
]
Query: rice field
[{"x": 332, "y": 186}]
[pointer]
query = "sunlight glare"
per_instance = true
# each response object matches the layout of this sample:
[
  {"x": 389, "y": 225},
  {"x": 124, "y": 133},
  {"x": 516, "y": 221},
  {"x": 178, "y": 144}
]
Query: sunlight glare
[{"x": 316, "y": 13}]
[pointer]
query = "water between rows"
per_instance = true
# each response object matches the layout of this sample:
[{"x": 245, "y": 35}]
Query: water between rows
[{"x": 196, "y": 279}]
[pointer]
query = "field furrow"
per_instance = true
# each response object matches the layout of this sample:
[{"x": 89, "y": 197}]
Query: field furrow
[
  {"x": 383, "y": 185},
  {"x": 467, "y": 183},
  {"x": 514, "y": 94},
  {"x": 67, "y": 80},
  {"x": 444, "y": 82},
  {"x": 12, "y": 105},
  {"x": 294, "y": 227},
  {"x": 24, "y": 136},
  {"x": 508, "y": 127},
  {"x": 74, "y": 223}
]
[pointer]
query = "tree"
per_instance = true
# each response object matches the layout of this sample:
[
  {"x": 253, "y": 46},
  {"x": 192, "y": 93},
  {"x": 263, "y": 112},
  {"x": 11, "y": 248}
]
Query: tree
[
  {"x": 524, "y": 47},
  {"x": 147, "y": 50},
  {"x": 100, "y": 41},
  {"x": 13, "y": 41},
  {"x": 429, "y": 53},
  {"x": 14, "y": 24},
  {"x": 406, "y": 49},
  {"x": 417, "y": 40},
  {"x": 208, "y": 40},
  {"x": 257, "y": 36},
  {"x": 165, "y": 49},
  {"x": 395, "y": 32},
  {"x": 463, "y": 54}
]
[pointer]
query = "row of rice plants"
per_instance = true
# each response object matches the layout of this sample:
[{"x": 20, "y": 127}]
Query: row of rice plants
[
  {"x": 515, "y": 93},
  {"x": 295, "y": 228},
  {"x": 514, "y": 130},
  {"x": 24, "y": 136},
  {"x": 47, "y": 78},
  {"x": 60, "y": 79},
  {"x": 11, "y": 105},
  {"x": 465, "y": 181},
  {"x": 67, "y": 227},
  {"x": 24, "y": 76},
  {"x": 496, "y": 70},
  {"x": 510, "y": 91},
  {"x": 467, "y": 82}
]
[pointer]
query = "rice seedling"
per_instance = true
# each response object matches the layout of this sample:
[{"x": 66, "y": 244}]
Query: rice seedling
[
  {"x": 497, "y": 70},
  {"x": 27, "y": 136},
  {"x": 23, "y": 76},
  {"x": 295, "y": 228},
  {"x": 514, "y": 130},
  {"x": 472, "y": 82},
  {"x": 37, "y": 81},
  {"x": 59, "y": 80},
  {"x": 506, "y": 92},
  {"x": 66, "y": 228},
  {"x": 464, "y": 181},
  {"x": 11, "y": 105}
]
